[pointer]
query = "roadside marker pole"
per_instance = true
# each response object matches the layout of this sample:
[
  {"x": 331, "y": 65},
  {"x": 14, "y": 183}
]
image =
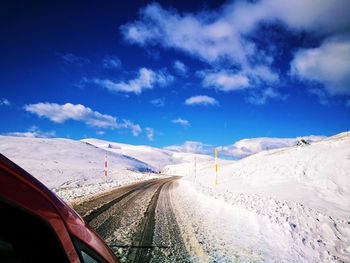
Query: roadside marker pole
[
  {"x": 106, "y": 168},
  {"x": 216, "y": 166}
]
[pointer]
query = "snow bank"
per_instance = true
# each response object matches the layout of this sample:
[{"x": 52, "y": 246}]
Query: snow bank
[
  {"x": 317, "y": 175},
  {"x": 303, "y": 192}
]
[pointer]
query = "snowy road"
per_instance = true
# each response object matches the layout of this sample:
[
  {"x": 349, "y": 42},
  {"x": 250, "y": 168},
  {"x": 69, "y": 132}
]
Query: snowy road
[
  {"x": 138, "y": 222},
  {"x": 167, "y": 220}
]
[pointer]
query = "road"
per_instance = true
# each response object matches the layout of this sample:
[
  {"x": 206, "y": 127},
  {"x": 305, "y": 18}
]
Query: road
[{"x": 138, "y": 221}]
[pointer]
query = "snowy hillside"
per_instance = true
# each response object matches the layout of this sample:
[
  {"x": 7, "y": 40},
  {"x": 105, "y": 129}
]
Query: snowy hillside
[
  {"x": 319, "y": 172},
  {"x": 242, "y": 148},
  {"x": 63, "y": 163},
  {"x": 155, "y": 157},
  {"x": 76, "y": 168},
  {"x": 295, "y": 201}
]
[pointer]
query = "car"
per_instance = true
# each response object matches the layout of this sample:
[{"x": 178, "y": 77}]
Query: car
[{"x": 37, "y": 226}]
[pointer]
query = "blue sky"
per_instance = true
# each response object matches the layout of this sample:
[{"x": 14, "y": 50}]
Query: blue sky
[{"x": 163, "y": 73}]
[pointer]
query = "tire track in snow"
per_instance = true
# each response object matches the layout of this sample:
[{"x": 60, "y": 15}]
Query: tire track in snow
[{"x": 127, "y": 218}]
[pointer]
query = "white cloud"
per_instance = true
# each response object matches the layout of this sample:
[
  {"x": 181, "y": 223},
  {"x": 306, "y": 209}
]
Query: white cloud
[
  {"x": 181, "y": 122},
  {"x": 180, "y": 68},
  {"x": 150, "y": 133},
  {"x": 261, "y": 98},
  {"x": 201, "y": 100},
  {"x": 33, "y": 132},
  {"x": 232, "y": 80},
  {"x": 4, "y": 102},
  {"x": 159, "y": 102},
  {"x": 204, "y": 35},
  {"x": 225, "y": 80},
  {"x": 135, "y": 128},
  {"x": 310, "y": 15},
  {"x": 191, "y": 147},
  {"x": 328, "y": 64},
  {"x": 61, "y": 113},
  {"x": 216, "y": 36},
  {"x": 262, "y": 73},
  {"x": 327, "y": 16},
  {"x": 145, "y": 79},
  {"x": 111, "y": 62}
]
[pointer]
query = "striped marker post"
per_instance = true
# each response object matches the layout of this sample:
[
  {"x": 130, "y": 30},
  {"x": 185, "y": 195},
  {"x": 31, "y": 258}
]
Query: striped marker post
[
  {"x": 106, "y": 168},
  {"x": 216, "y": 166}
]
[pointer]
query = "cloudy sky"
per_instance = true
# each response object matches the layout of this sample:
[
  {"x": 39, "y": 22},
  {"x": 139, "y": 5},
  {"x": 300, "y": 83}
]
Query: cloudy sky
[{"x": 166, "y": 73}]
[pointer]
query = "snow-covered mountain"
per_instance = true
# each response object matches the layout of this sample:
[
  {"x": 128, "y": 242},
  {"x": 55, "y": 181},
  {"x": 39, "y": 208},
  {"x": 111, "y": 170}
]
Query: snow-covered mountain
[
  {"x": 62, "y": 162},
  {"x": 242, "y": 148},
  {"x": 57, "y": 162},
  {"x": 156, "y": 158},
  {"x": 78, "y": 166}
]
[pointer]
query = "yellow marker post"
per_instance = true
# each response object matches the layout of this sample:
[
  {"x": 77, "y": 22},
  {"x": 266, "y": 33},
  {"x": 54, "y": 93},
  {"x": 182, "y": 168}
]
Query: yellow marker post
[{"x": 216, "y": 166}]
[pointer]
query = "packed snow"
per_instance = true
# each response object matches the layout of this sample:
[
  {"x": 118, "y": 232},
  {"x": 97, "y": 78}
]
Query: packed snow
[{"x": 281, "y": 205}]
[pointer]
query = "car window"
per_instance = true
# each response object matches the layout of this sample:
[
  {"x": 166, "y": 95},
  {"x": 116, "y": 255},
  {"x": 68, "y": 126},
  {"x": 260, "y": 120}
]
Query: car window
[
  {"x": 87, "y": 254},
  {"x": 87, "y": 258},
  {"x": 27, "y": 238}
]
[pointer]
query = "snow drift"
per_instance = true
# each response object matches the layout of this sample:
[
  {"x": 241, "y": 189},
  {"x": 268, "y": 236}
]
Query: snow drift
[{"x": 297, "y": 199}]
